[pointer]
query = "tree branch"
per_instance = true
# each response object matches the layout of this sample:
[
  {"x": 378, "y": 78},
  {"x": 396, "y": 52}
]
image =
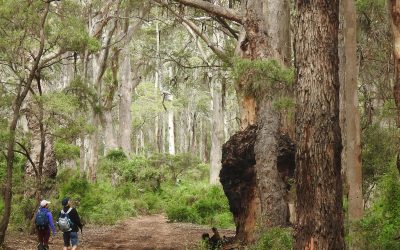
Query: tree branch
[
  {"x": 220, "y": 53},
  {"x": 27, "y": 155},
  {"x": 213, "y": 9}
]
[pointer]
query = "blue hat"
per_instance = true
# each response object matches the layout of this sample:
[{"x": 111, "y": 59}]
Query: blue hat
[{"x": 65, "y": 201}]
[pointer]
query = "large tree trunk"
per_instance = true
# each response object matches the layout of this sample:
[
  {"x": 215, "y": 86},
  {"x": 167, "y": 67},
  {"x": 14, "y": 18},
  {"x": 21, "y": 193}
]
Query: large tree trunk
[
  {"x": 110, "y": 141},
  {"x": 238, "y": 177},
  {"x": 318, "y": 167},
  {"x": 395, "y": 14},
  {"x": 265, "y": 36},
  {"x": 217, "y": 131},
  {"x": 272, "y": 191}
]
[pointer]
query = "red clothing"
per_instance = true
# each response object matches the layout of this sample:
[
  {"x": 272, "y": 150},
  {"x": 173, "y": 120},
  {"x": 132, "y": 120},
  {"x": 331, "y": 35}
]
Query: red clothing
[{"x": 44, "y": 236}]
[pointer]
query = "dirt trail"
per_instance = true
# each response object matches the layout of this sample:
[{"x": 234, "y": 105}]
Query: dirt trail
[{"x": 140, "y": 233}]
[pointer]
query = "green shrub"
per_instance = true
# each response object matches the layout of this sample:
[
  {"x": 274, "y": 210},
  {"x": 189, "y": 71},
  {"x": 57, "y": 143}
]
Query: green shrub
[
  {"x": 116, "y": 155},
  {"x": 181, "y": 213},
  {"x": 200, "y": 204},
  {"x": 153, "y": 202},
  {"x": 64, "y": 150},
  {"x": 275, "y": 239},
  {"x": 380, "y": 227}
]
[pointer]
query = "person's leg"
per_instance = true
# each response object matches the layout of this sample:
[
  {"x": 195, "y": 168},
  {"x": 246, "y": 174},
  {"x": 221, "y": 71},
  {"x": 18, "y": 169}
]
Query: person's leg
[
  {"x": 74, "y": 240},
  {"x": 46, "y": 237},
  {"x": 66, "y": 238},
  {"x": 40, "y": 238}
]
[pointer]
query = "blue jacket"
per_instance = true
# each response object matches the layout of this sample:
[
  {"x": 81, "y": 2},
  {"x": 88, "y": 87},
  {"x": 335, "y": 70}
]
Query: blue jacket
[{"x": 50, "y": 217}]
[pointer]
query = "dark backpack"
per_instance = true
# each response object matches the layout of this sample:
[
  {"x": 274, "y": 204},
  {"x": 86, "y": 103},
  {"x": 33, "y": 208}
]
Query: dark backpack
[{"x": 41, "y": 220}]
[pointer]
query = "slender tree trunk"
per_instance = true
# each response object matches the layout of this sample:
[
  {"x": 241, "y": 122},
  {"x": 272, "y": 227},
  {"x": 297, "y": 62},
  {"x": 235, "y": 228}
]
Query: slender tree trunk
[
  {"x": 395, "y": 14},
  {"x": 351, "y": 117},
  {"x": 171, "y": 133},
  {"x": 181, "y": 132},
  {"x": 193, "y": 140},
  {"x": 82, "y": 154},
  {"x": 201, "y": 140},
  {"x": 94, "y": 148},
  {"x": 170, "y": 114},
  {"x": 125, "y": 116},
  {"x": 22, "y": 91},
  {"x": 217, "y": 131},
  {"x": 318, "y": 168}
]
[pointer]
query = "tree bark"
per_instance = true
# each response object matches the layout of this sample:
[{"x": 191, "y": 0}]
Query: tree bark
[
  {"x": 351, "y": 125},
  {"x": 271, "y": 188},
  {"x": 238, "y": 177},
  {"x": 265, "y": 36},
  {"x": 395, "y": 14},
  {"x": 318, "y": 166},
  {"x": 110, "y": 138},
  {"x": 125, "y": 115}
]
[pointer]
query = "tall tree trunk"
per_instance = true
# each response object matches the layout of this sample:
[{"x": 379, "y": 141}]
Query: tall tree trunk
[
  {"x": 351, "y": 116},
  {"x": 125, "y": 115},
  {"x": 110, "y": 141},
  {"x": 266, "y": 36},
  {"x": 128, "y": 82},
  {"x": 395, "y": 14},
  {"x": 217, "y": 131},
  {"x": 271, "y": 187},
  {"x": 318, "y": 166},
  {"x": 99, "y": 66},
  {"x": 171, "y": 129},
  {"x": 94, "y": 148},
  {"x": 201, "y": 140},
  {"x": 82, "y": 154},
  {"x": 22, "y": 90}
]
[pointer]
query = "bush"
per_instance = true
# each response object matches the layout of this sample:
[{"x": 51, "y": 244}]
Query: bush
[
  {"x": 275, "y": 239},
  {"x": 181, "y": 213},
  {"x": 200, "y": 204},
  {"x": 380, "y": 227},
  {"x": 116, "y": 155}
]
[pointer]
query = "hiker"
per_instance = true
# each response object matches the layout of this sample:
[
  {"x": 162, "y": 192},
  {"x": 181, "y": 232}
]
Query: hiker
[
  {"x": 215, "y": 240},
  {"x": 69, "y": 223},
  {"x": 44, "y": 222}
]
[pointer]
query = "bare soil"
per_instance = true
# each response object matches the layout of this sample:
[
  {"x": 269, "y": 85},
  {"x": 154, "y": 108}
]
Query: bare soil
[{"x": 140, "y": 233}]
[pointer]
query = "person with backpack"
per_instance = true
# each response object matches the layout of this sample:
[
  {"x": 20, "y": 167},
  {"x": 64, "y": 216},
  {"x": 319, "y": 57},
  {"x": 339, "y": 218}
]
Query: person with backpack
[
  {"x": 44, "y": 222},
  {"x": 69, "y": 223}
]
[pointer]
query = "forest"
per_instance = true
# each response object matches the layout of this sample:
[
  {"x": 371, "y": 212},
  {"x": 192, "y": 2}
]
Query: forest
[{"x": 274, "y": 121}]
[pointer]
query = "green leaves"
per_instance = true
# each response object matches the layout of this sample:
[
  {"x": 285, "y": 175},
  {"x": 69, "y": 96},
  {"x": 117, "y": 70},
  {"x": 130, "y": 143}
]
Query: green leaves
[
  {"x": 69, "y": 30},
  {"x": 381, "y": 224},
  {"x": 262, "y": 77}
]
